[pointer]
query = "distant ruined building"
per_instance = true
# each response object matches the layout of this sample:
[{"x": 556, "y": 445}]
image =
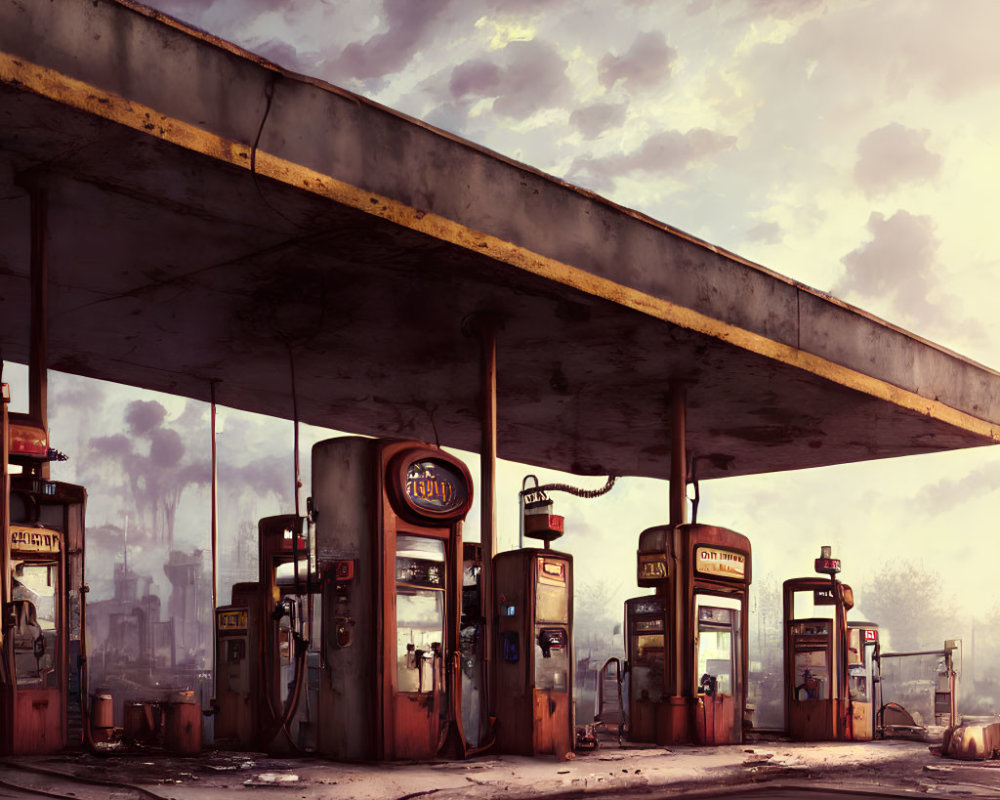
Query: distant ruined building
[{"x": 190, "y": 607}]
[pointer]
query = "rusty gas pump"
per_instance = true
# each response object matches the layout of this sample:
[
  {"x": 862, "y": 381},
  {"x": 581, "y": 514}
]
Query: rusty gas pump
[
  {"x": 533, "y": 673},
  {"x": 686, "y": 644},
  {"x": 388, "y": 518},
  {"x": 43, "y": 680},
  {"x": 263, "y": 643},
  {"x": 831, "y": 674}
]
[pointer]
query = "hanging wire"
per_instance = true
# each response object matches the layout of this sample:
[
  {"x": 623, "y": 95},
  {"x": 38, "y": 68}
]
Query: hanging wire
[{"x": 565, "y": 487}]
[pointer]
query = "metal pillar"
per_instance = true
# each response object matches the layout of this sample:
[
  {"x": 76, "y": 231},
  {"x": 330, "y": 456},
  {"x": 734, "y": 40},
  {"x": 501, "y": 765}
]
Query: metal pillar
[
  {"x": 678, "y": 453},
  {"x": 38, "y": 357},
  {"x": 676, "y": 703},
  {"x": 5, "y": 587},
  {"x": 486, "y": 332}
]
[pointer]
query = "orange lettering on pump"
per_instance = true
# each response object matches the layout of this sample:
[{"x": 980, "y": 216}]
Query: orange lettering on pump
[
  {"x": 652, "y": 566},
  {"x": 34, "y": 540},
  {"x": 232, "y": 620},
  {"x": 723, "y": 563}
]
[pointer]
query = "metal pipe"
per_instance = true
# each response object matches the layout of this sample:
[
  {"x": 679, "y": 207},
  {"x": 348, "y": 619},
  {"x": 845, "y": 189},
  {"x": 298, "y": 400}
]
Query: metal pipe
[
  {"x": 486, "y": 332},
  {"x": 678, "y": 516},
  {"x": 38, "y": 358},
  {"x": 215, "y": 509},
  {"x": 5, "y": 587},
  {"x": 678, "y": 453}
]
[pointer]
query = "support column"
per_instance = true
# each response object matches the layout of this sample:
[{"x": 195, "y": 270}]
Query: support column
[
  {"x": 678, "y": 453},
  {"x": 4, "y": 506},
  {"x": 38, "y": 378},
  {"x": 673, "y": 724},
  {"x": 486, "y": 332}
]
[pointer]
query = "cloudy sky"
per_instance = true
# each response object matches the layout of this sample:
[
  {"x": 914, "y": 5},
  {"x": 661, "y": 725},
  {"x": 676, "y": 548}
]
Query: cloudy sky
[{"x": 849, "y": 145}]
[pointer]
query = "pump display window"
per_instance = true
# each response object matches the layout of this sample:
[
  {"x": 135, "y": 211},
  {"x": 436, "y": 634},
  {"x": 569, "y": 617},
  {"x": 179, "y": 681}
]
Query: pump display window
[
  {"x": 420, "y": 600},
  {"x": 35, "y": 587},
  {"x": 857, "y": 669},
  {"x": 718, "y": 645}
]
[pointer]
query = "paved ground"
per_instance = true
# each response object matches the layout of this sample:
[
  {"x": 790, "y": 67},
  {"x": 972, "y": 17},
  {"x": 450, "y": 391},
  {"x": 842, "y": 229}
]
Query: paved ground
[{"x": 782, "y": 769}]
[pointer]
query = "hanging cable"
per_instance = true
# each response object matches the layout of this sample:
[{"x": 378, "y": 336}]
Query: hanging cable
[{"x": 565, "y": 487}]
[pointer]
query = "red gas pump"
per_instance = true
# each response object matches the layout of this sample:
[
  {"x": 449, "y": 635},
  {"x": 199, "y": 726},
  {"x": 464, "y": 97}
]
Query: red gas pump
[
  {"x": 42, "y": 651},
  {"x": 686, "y": 645},
  {"x": 533, "y": 669},
  {"x": 388, "y": 517},
  {"x": 831, "y": 668}
]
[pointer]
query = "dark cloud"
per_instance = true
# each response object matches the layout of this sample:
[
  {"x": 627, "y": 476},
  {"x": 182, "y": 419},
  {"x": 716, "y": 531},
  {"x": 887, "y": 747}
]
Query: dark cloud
[
  {"x": 525, "y": 77},
  {"x": 116, "y": 445},
  {"x": 644, "y": 65},
  {"x": 596, "y": 118},
  {"x": 892, "y": 155},
  {"x": 534, "y": 78},
  {"x": 898, "y": 268},
  {"x": 897, "y": 263},
  {"x": 479, "y": 77},
  {"x": 766, "y": 232},
  {"x": 408, "y": 25},
  {"x": 263, "y": 477},
  {"x": 668, "y": 151},
  {"x": 287, "y": 56},
  {"x": 166, "y": 448},
  {"x": 143, "y": 416}
]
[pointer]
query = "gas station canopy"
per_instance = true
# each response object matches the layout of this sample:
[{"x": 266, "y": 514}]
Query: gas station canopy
[{"x": 213, "y": 219}]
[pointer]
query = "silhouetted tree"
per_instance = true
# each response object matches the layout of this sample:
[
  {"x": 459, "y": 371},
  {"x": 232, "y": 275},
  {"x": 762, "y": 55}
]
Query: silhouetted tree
[{"x": 908, "y": 602}]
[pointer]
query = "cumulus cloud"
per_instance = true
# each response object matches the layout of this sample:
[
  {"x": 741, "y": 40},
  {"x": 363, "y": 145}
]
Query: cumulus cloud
[
  {"x": 893, "y": 155},
  {"x": 766, "y": 232},
  {"x": 664, "y": 152},
  {"x": 643, "y": 65},
  {"x": 408, "y": 27},
  {"x": 143, "y": 416},
  {"x": 525, "y": 78},
  {"x": 596, "y": 118},
  {"x": 896, "y": 263}
]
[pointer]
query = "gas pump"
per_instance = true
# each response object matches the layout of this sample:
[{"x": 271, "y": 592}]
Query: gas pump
[
  {"x": 262, "y": 646},
  {"x": 533, "y": 672},
  {"x": 388, "y": 517},
  {"x": 864, "y": 684},
  {"x": 472, "y": 632},
  {"x": 831, "y": 675},
  {"x": 238, "y": 668},
  {"x": 42, "y": 651},
  {"x": 284, "y": 568},
  {"x": 686, "y": 645}
]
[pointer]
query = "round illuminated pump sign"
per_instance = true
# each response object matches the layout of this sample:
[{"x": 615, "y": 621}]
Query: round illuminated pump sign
[
  {"x": 434, "y": 487},
  {"x": 426, "y": 484}
]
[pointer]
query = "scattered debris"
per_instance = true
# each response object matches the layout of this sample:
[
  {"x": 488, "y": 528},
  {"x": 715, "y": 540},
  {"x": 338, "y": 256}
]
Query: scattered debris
[{"x": 272, "y": 779}]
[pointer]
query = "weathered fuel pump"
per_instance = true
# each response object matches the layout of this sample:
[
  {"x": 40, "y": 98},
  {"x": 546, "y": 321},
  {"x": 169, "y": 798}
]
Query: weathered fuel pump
[
  {"x": 534, "y": 664},
  {"x": 42, "y": 651},
  {"x": 864, "y": 684},
  {"x": 238, "y": 668},
  {"x": 686, "y": 645},
  {"x": 262, "y": 646},
  {"x": 533, "y": 673},
  {"x": 388, "y": 517},
  {"x": 831, "y": 668}
]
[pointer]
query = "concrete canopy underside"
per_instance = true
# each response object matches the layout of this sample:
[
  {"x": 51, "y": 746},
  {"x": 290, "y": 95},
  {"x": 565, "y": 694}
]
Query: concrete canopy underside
[{"x": 362, "y": 243}]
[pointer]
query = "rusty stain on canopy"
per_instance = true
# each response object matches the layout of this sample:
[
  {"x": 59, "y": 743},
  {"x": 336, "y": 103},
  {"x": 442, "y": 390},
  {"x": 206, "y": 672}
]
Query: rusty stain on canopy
[{"x": 210, "y": 213}]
